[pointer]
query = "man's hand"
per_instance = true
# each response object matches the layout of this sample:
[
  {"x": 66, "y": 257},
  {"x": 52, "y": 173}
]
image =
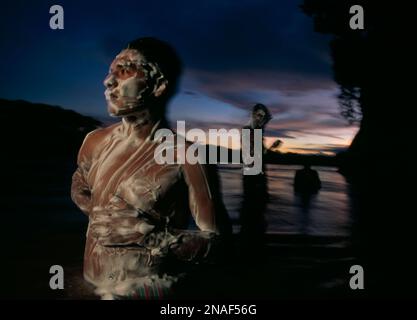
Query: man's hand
[
  {"x": 118, "y": 227},
  {"x": 277, "y": 143}
]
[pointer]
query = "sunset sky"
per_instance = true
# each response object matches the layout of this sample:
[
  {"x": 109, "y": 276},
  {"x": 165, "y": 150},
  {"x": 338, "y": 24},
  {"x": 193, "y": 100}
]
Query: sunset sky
[{"x": 236, "y": 53}]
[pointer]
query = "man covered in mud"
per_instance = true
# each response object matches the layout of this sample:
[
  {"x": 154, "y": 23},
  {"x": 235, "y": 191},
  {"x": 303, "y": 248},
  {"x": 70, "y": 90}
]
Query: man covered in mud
[
  {"x": 255, "y": 189},
  {"x": 139, "y": 210}
]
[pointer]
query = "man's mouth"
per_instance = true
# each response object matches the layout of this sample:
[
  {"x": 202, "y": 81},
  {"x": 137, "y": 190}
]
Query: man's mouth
[{"x": 111, "y": 96}]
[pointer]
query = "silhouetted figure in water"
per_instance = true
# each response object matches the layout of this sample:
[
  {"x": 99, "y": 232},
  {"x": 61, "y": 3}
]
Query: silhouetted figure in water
[
  {"x": 306, "y": 185},
  {"x": 307, "y": 181},
  {"x": 255, "y": 190}
]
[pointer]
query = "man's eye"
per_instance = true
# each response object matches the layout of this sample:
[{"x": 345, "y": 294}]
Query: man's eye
[{"x": 131, "y": 66}]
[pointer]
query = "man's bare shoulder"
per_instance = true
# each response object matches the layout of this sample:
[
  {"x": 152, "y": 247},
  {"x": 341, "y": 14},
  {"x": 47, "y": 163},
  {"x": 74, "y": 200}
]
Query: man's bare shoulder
[
  {"x": 99, "y": 134},
  {"x": 95, "y": 138}
]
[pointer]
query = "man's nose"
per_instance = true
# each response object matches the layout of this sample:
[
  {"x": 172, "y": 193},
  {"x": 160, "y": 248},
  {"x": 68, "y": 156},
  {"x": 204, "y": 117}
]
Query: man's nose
[{"x": 110, "y": 82}]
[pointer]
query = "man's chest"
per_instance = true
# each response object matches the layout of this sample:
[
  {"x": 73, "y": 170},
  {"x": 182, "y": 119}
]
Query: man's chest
[{"x": 133, "y": 175}]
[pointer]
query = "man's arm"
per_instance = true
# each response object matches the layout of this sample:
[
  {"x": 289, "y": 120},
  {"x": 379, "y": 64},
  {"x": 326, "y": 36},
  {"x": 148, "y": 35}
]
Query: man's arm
[
  {"x": 80, "y": 190},
  {"x": 201, "y": 200},
  {"x": 209, "y": 214}
]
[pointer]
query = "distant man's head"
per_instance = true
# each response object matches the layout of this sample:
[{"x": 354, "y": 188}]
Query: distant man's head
[
  {"x": 260, "y": 116},
  {"x": 144, "y": 75}
]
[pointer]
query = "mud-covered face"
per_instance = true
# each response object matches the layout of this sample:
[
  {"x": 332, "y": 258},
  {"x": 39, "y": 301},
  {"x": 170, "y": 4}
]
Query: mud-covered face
[
  {"x": 259, "y": 118},
  {"x": 131, "y": 80}
]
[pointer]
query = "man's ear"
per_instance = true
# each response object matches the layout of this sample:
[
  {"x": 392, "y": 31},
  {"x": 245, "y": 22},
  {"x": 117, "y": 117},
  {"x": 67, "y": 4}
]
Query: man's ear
[{"x": 161, "y": 87}]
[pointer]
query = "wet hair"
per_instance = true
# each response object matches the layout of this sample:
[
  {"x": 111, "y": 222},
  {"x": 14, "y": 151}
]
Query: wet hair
[
  {"x": 165, "y": 56},
  {"x": 260, "y": 106}
]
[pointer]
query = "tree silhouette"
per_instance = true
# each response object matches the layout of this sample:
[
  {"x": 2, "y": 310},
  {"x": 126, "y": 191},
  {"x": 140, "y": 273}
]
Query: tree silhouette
[
  {"x": 370, "y": 66},
  {"x": 356, "y": 63}
]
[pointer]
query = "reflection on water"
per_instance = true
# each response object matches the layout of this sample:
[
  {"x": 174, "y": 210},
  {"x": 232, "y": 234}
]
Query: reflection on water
[{"x": 329, "y": 213}]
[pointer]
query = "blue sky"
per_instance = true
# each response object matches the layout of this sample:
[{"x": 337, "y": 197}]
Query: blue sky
[{"x": 236, "y": 53}]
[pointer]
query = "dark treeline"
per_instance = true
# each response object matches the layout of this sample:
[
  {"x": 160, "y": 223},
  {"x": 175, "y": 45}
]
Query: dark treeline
[
  {"x": 369, "y": 66},
  {"x": 302, "y": 159},
  {"x": 33, "y": 130}
]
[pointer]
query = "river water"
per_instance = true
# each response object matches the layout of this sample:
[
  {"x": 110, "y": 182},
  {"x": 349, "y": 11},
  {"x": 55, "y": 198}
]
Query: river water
[{"x": 327, "y": 215}]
